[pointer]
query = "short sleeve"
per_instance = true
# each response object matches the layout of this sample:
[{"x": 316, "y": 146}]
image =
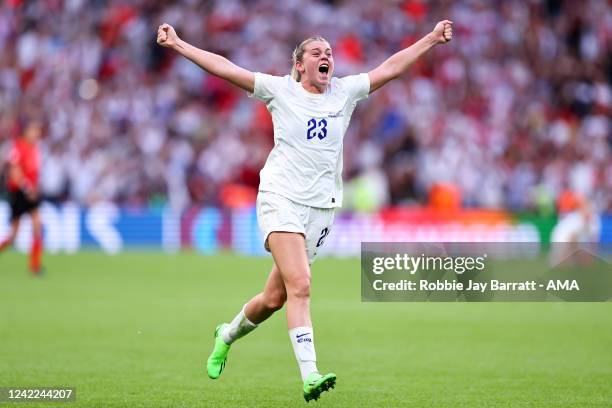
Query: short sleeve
[
  {"x": 266, "y": 86},
  {"x": 357, "y": 86}
]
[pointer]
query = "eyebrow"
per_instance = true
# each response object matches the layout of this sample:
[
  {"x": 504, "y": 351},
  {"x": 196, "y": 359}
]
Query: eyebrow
[{"x": 319, "y": 49}]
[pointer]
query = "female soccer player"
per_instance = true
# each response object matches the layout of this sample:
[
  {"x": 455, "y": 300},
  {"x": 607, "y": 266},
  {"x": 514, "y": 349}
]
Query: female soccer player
[{"x": 301, "y": 181}]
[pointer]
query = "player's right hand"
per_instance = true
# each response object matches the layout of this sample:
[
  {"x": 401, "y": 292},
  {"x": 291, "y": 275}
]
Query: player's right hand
[{"x": 166, "y": 36}]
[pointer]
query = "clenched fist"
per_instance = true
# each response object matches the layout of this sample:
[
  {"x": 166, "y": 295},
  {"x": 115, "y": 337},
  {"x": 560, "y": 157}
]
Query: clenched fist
[
  {"x": 166, "y": 36},
  {"x": 443, "y": 32}
]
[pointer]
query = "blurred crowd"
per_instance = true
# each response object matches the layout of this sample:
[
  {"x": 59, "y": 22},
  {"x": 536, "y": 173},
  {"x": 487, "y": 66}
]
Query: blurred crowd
[{"x": 512, "y": 113}]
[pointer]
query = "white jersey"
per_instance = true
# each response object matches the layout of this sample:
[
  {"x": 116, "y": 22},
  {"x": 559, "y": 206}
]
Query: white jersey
[
  {"x": 305, "y": 164},
  {"x": 576, "y": 227}
]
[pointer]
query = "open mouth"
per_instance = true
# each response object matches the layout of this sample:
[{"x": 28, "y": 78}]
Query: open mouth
[{"x": 324, "y": 68}]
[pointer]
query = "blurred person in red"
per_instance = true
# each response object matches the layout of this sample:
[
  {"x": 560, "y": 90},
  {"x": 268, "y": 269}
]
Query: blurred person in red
[{"x": 22, "y": 183}]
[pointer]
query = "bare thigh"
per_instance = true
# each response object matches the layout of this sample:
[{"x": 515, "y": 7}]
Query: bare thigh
[{"x": 289, "y": 252}]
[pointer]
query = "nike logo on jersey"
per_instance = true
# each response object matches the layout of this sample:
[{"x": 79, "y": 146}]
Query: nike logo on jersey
[
  {"x": 298, "y": 336},
  {"x": 338, "y": 114}
]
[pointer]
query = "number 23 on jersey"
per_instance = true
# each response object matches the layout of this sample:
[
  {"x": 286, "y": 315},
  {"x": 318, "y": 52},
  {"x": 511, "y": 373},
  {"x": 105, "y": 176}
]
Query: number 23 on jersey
[{"x": 316, "y": 128}]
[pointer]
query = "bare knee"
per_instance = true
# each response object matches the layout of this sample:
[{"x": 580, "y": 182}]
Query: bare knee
[
  {"x": 36, "y": 224},
  {"x": 299, "y": 288},
  {"x": 274, "y": 301}
]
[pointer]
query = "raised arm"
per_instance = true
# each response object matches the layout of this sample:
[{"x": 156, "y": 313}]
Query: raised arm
[
  {"x": 212, "y": 63},
  {"x": 399, "y": 62}
]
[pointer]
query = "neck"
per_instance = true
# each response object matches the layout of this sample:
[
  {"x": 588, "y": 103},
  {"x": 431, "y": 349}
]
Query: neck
[{"x": 312, "y": 88}]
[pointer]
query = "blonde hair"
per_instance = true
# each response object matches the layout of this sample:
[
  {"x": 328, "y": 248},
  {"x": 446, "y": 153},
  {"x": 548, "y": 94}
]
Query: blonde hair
[{"x": 298, "y": 55}]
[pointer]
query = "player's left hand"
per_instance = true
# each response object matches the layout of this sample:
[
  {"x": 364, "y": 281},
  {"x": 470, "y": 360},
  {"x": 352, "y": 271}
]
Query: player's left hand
[
  {"x": 443, "y": 32},
  {"x": 166, "y": 36}
]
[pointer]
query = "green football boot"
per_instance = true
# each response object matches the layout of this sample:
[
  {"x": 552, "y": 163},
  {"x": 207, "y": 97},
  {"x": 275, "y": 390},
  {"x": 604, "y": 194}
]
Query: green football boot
[
  {"x": 316, "y": 383},
  {"x": 216, "y": 361}
]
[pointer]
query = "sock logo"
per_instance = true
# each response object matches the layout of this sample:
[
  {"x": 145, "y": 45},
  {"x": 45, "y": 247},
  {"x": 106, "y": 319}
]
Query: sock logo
[{"x": 300, "y": 338}]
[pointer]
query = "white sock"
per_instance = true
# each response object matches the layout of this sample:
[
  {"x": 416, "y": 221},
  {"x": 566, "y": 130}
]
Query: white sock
[
  {"x": 302, "y": 339},
  {"x": 239, "y": 327}
]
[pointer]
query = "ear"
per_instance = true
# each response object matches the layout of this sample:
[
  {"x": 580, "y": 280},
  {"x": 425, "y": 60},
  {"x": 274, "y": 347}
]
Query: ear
[{"x": 299, "y": 66}]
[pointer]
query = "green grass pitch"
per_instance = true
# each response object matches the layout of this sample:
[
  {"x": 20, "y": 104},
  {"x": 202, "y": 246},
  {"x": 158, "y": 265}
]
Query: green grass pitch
[{"x": 135, "y": 330}]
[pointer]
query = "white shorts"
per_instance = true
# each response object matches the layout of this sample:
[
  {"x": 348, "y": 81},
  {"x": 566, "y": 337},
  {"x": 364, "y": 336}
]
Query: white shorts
[{"x": 277, "y": 213}]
